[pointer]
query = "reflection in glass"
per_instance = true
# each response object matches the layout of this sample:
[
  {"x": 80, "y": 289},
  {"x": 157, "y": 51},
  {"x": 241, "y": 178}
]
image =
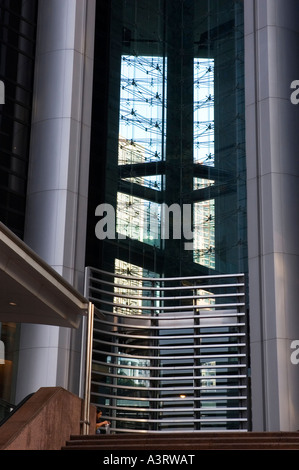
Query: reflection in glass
[
  {"x": 204, "y": 111},
  {"x": 142, "y": 107},
  {"x": 175, "y": 138}
]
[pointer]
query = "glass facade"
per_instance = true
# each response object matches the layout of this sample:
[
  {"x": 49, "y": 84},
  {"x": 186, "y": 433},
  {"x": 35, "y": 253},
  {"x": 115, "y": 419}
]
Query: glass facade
[
  {"x": 168, "y": 150},
  {"x": 168, "y": 140},
  {"x": 17, "y": 51}
]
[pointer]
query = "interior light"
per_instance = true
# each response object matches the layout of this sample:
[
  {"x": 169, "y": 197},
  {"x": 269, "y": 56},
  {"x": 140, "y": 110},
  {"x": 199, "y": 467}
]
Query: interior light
[
  {"x": 182, "y": 396},
  {"x": 13, "y": 304}
]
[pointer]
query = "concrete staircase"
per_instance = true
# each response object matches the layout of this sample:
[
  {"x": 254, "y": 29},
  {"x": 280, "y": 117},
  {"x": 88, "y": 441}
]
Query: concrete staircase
[{"x": 187, "y": 441}]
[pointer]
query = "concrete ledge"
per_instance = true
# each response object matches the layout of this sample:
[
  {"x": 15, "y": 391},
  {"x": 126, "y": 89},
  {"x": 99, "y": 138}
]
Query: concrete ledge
[{"x": 45, "y": 421}]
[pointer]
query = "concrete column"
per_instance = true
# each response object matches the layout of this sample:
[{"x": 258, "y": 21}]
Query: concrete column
[
  {"x": 272, "y": 123},
  {"x": 58, "y": 176}
]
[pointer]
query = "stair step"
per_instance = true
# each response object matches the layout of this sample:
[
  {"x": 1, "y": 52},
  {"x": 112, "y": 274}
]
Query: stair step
[{"x": 186, "y": 441}]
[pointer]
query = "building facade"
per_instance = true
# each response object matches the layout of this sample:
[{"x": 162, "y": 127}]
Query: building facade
[{"x": 155, "y": 139}]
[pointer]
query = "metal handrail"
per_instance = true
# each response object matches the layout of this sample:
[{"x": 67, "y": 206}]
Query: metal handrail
[
  {"x": 192, "y": 353},
  {"x": 88, "y": 363},
  {"x": 14, "y": 408}
]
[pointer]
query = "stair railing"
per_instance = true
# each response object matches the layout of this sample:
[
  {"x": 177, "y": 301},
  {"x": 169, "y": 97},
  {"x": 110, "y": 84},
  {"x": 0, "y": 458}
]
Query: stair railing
[{"x": 88, "y": 363}]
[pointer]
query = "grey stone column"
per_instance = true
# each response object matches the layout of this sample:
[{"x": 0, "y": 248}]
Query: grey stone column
[
  {"x": 58, "y": 178},
  {"x": 272, "y": 123}
]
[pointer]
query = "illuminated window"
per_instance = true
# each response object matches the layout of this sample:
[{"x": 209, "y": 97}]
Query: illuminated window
[
  {"x": 141, "y": 141},
  {"x": 204, "y": 211}
]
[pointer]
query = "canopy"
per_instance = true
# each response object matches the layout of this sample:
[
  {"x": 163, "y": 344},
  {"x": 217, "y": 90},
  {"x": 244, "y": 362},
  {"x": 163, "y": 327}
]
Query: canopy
[{"x": 31, "y": 291}]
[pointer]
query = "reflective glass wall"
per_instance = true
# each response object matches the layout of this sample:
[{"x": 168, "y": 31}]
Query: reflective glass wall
[
  {"x": 17, "y": 51},
  {"x": 168, "y": 145},
  {"x": 167, "y": 193}
]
